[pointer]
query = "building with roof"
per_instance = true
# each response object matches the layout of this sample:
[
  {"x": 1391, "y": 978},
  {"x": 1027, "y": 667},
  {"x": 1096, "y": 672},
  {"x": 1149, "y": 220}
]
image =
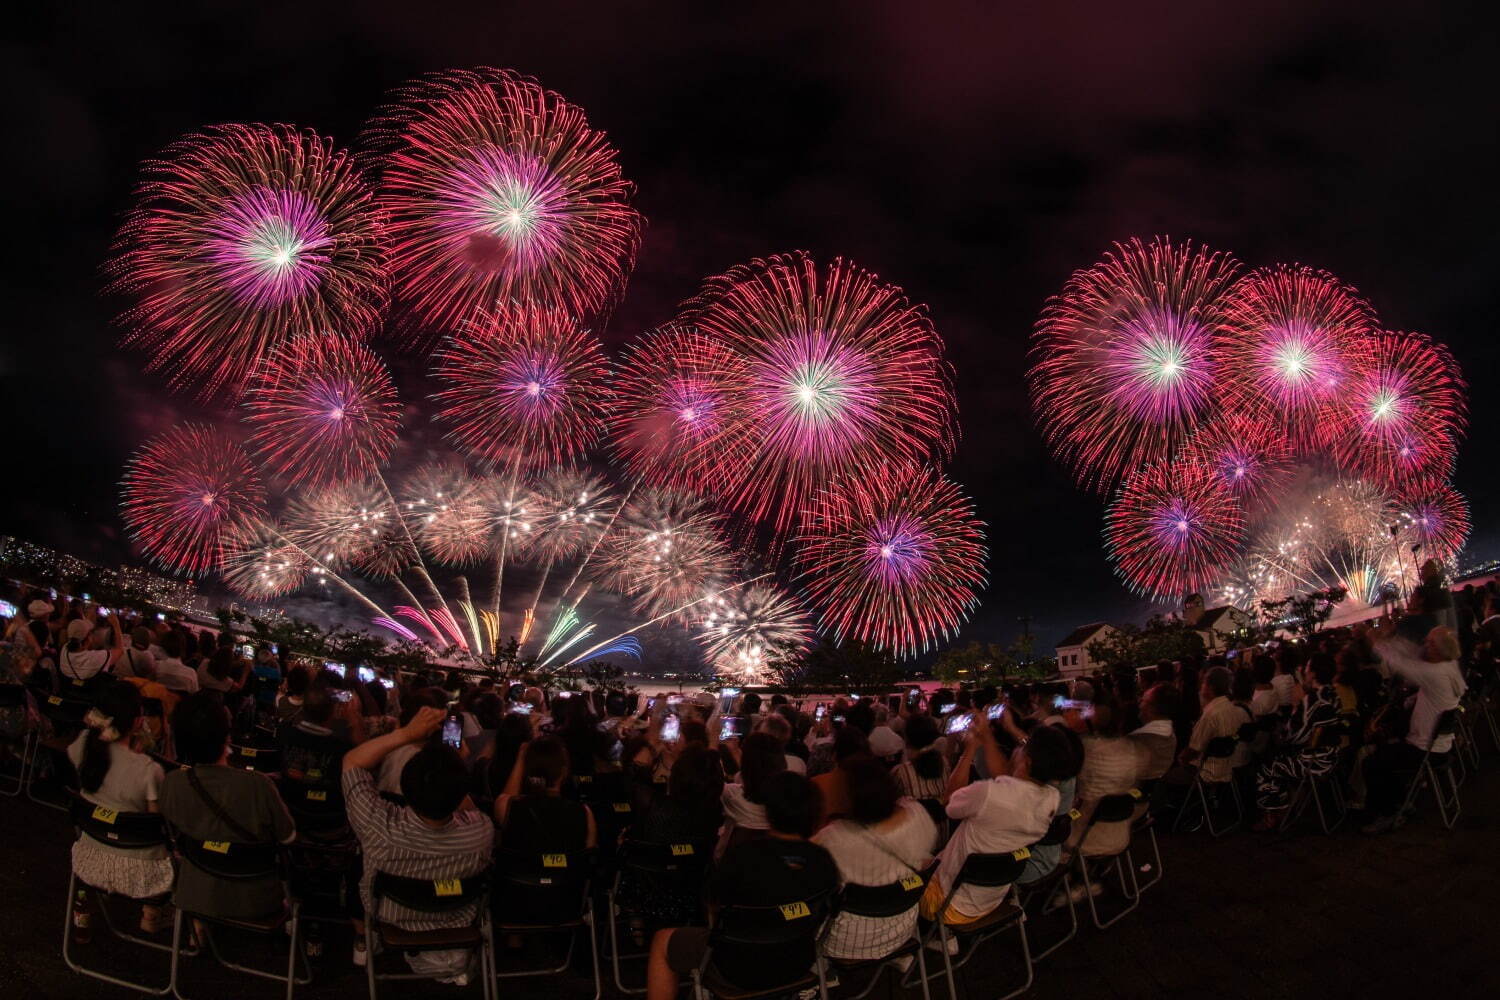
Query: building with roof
[{"x": 1072, "y": 652}]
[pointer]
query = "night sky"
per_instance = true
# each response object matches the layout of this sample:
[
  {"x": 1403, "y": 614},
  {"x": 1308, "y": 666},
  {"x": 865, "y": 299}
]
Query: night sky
[{"x": 973, "y": 153}]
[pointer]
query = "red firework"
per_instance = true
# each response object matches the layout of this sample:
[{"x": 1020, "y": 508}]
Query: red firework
[
  {"x": 1173, "y": 529},
  {"x": 1437, "y": 519},
  {"x": 1287, "y": 345},
  {"x": 499, "y": 191},
  {"x": 324, "y": 411},
  {"x": 525, "y": 388},
  {"x": 1399, "y": 422},
  {"x": 1124, "y": 366},
  {"x": 682, "y": 409},
  {"x": 892, "y": 558},
  {"x": 843, "y": 373},
  {"x": 258, "y": 562},
  {"x": 1247, "y": 454},
  {"x": 240, "y": 238},
  {"x": 184, "y": 491}
]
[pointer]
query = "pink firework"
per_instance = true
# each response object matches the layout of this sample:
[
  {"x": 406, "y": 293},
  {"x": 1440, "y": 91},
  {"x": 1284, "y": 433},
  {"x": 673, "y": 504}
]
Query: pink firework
[
  {"x": 1437, "y": 520},
  {"x": 1173, "y": 529},
  {"x": 683, "y": 409},
  {"x": 843, "y": 372},
  {"x": 665, "y": 550},
  {"x": 893, "y": 558},
  {"x": 184, "y": 491},
  {"x": 1286, "y": 347},
  {"x": 524, "y": 387},
  {"x": 258, "y": 562},
  {"x": 323, "y": 410},
  {"x": 341, "y": 524},
  {"x": 499, "y": 191},
  {"x": 1248, "y": 455},
  {"x": 1124, "y": 367},
  {"x": 241, "y": 238},
  {"x": 1399, "y": 421}
]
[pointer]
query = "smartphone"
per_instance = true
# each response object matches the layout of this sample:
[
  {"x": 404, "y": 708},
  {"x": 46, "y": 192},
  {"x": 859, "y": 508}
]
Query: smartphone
[
  {"x": 521, "y": 708},
  {"x": 8, "y": 609},
  {"x": 948, "y": 708},
  {"x": 734, "y": 727},
  {"x": 247, "y": 651},
  {"x": 453, "y": 731},
  {"x": 650, "y": 706},
  {"x": 337, "y": 668},
  {"x": 959, "y": 723},
  {"x": 671, "y": 729},
  {"x": 819, "y": 712},
  {"x": 995, "y": 710},
  {"x": 365, "y": 674},
  {"x": 387, "y": 683},
  {"x": 913, "y": 696},
  {"x": 343, "y": 695},
  {"x": 729, "y": 692},
  {"x": 838, "y": 720}
]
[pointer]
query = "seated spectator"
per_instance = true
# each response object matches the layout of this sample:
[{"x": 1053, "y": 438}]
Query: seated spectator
[
  {"x": 924, "y": 775},
  {"x": 1440, "y": 686},
  {"x": 1284, "y": 681},
  {"x": 171, "y": 672},
  {"x": 781, "y": 731},
  {"x": 759, "y": 760},
  {"x": 686, "y": 810},
  {"x": 885, "y": 743},
  {"x": 1011, "y": 810},
  {"x": 114, "y": 776},
  {"x": 1156, "y": 741},
  {"x": 1111, "y": 766},
  {"x": 293, "y": 690},
  {"x": 311, "y": 751},
  {"x": 90, "y": 650},
  {"x": 1046, "y": 857},
  {"x": 137, "y": 660},
  {"x": 1265, "y": 701},
  {"x": 883, "y": 839},
  {"x": 779, "y": 868},
  {"x": 265, "y": 676},
  {"x": 849, "y": 743},
  {"x": 535, "y": 819},
  {"x": 1221, "y": 717},
  {"x": 492, "y": 770},
  {"x": 221, "y": 672},
  {"x": 209, "y": 800},
  {"x": 1308, "y": 746},
  {"x": 437, "y": 834}
]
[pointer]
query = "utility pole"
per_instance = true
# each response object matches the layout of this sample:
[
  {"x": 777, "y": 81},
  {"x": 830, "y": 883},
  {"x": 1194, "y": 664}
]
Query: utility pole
[{"x": 1025, "y": 621}]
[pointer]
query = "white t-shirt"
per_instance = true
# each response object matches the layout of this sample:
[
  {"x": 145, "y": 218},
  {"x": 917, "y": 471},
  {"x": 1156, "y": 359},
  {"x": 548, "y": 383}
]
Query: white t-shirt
[
  {"x": 876, "y": 857},
  {"x": 1283, "y": 685},
  {"x": 174, "y": 675},
  {"x": 796, "y": 764},
  {"x": 1440, "y": 687},
  {"x": 884, "y": 742},
  {"x": 999, "y": 815},
  {"x": 132, "y": 782},
  {"x": 1265, "y": 702},
  {"x": 84, "y": 664},
  {"x": 389, "y": 779},
  {"x": 136, "y": 663}
]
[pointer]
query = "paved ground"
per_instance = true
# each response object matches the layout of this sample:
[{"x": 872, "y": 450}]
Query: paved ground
[{"x": 1410, "y": 915}]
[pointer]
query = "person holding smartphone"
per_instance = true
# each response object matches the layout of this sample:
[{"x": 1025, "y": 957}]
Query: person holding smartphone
[{"x": 535, "y": 819}]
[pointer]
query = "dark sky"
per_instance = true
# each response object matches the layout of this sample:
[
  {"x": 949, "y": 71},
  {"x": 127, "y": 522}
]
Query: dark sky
[{"x": 973, "y": 153}]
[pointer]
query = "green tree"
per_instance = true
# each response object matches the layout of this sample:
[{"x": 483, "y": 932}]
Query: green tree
[{"x": 1300, "y": 614}]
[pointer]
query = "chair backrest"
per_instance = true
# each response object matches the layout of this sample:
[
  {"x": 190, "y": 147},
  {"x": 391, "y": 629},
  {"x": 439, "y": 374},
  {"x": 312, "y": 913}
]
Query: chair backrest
[
  {"x": 63, "y": 711},
  {"x": 1446, "y": 724},
  {"x": 1221, "y": 746},
  {"x": 265, "y": 760},
  {"x": 688, "y": 859},
  {"x": 888, "y": 900},
  {"x": 430, "y": 895},
  {"x": 314, "y": 807},
  {"x": 561, "y": 870},
  {"x": 1059, "y": 829},
  {"x": 993, "y": 870},
  {"x": 117, "y": 829},
  {"x": 1249, "y": 731},
  {"x": 230, "y": 861},
  {"x": 1116, "y": 808},
  {"x": 778, "y": 926}
]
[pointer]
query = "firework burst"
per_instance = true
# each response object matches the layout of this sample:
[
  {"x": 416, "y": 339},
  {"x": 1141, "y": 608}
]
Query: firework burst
[
  {"x": 523, "y": 388},
  {"x": 741, "y": 628},
  {"x": 1437, "y": 520},
  {"x": 1249, "y": 456},
  {"x": 665, "y": 549},
  {"x": 258, "y": 562},
  {"x": 341, "y": 525},
  {"x": 241, "y": 237},
  {"x": 894, "y": 558},
  {"x": 184, "y": 491},
  {"x": 499, "y": 191},
  {"x": 572, "y": 508},
  {"x": 446, "y": 510},
  {"x": 1173, "y": 529},
  {"x": 323, "y": 410},
  {"x": 1124, "y": 366}
]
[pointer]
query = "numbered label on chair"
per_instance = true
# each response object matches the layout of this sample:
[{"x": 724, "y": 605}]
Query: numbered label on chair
[
  {"x": 1135, "y": 793},
  {"x": 53, "y": 699},
  {"x": 447, "y": 887},
  {"x": 794, "y": 911},
  {"x": 554, "y": 861},
  {"x": 217, "y": 846},
  {"x": 314, "y": 774},
  {"x": 622, "y": 807},
  {"x": 682, "y": 850},
  {"x": 317, "y": 795},
  {"x": 912, "y": 881},
  {"x": 1074, "y": 815},
  {"x": 1021, "y": 854},
  {"x": 104, "y": 815},
  {"x": 248, "y": 751}
]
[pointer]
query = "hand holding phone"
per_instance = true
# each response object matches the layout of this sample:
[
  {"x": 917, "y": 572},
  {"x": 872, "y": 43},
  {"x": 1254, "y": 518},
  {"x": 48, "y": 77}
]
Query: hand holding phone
[
  {"x": 453, "y": 730},
  {"x": 671, "y": 729},
  {"x": 959, "y": 723},
  {"x": 733, "y": 727},
  {"x": 995, "y": 709}
]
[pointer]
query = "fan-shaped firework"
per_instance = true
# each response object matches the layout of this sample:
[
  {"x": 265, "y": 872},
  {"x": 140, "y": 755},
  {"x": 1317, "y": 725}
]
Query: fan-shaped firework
[
  {"x": 183, "y": 491},
  {"x": 241, "y": 237},
  {"x": 1173, "y": 529},
  {"x": 1399, "y": 421},
  {"x": 1438, "y": 521},
  {"x": 683, "y": 409},
  {"x": 742, "y": 627},
  {"x": 893, "y": 558},
  {"x": 499, "y": 191},
  {"x": 572, "y": 508},
  {"x": 340, "y": 524},
  {"x": 665, "y": 550},
  {"x": 843, "y": 372},
  {"x": 1124, "y": 367},
  {"x": 258, "y": 562},
  {"x": 524, "y": 387},
  {"x": 1248, "y": 455},
  {"x": 512, "y": 511},
  {"x": 446, "y": 511},
  {"x": 323, "y": 409},
  {"x": 1287, "y": 344}
]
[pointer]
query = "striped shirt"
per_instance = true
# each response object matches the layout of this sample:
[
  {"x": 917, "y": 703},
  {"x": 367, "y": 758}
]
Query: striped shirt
[{"x": 395, "y": 841}]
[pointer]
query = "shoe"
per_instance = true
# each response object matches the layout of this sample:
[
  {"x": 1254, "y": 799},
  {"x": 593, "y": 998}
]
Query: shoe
[
  {"x": 902, "y": 964},
  {"x": 1079, "y": 893},
  {"x": 1381, "y": 825},
  {"x": 462, "y": 979},
  {"x": 936, "y": 944},
  {"x": 360, "y": 955},
  {"x": 313, "y": 948}
]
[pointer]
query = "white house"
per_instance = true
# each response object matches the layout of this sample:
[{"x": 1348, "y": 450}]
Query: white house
[
  {"x": 1073, "y": 654},
  {"x": 1220, "y": 627}
]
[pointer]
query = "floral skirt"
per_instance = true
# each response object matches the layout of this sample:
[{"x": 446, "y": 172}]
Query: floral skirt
[
  {"x": 1278, "y": 778},
  {"x": 114, "y": 871}
]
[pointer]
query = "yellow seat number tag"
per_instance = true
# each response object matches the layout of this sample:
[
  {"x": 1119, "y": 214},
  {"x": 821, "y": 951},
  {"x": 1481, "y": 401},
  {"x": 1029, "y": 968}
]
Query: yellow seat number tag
[
  {"x": 912, "y": 881},
  {"x": 681, "y": 850},
  {"x": 622, "y": 807},
  {"x": 104, "y": 815},
  {"x": 1021, "y": 854},
  {"x": 217, "y": 846},
  {"x": 53, "y": 699},
  {"x": 314, "y": 773},
  {"x": 794, "y": 911},
  {"x": 1135, "y": 793},
  {"x": 1074, "y": 815},
  {"x": 317, "y": 795},
  {"x": 554, "y": 861},
  {"x": 447, "y": 887},
  {"x": 248, "y": 751}
]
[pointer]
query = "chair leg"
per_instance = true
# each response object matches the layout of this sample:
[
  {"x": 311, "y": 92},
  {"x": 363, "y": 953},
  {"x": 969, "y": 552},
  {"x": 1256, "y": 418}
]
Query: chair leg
[
  {"x": 1025, "y": 961},
  {"x": 1196, "y": 788},
  {"x": 922, "y": 968},
  {"x": 947, "y": 958},
  {"x": 1066, "y": 887},
  {"x": 1157, "y": 866},
  {"x": 589, "y": 924},
  {"x": 371, "y": 983}
]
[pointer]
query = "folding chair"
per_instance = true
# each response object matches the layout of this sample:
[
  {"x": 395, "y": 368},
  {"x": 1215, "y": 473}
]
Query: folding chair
[
  {"x": 1112, "y": 809},
  {"x": 883, "y": 902},
  {"x": 433, "y": 897},
  {"x": 1144, "y": 821},
  {"x": 131, "y": 831},
  {"x": 1433, "y": 771},
  {"x": 991, "y": 871},
  {"x": 1220, "y": 748},
  {"x": 66, "y": 716},
  {"x": 1316, "y": 788},
  {"x": 681, "y": 868},
  {"x": 261, "y": 759},
  {"x": 563, "y": 880},
  {"x": 15, "y": 696},
  {"x": 765, "y": 930},
  {"x": 232, "y": 862},
  {"x": 1045, "y": 888}
]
